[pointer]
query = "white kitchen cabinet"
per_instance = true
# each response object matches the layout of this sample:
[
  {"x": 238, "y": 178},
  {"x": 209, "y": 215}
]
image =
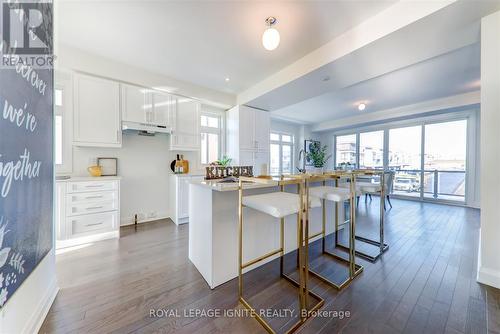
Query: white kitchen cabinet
[
  {"x": 148, "y": 107},
  {"x": 248, "y": 132},
  {"x": 179, "y": 197},
  {"x": 87, "y": 210},
  {"x": 133, "y": 103},
  {"x": 96, "y": 120},
  {"x": 186, "y": 135},
  {"x": 164, "y": 109}
]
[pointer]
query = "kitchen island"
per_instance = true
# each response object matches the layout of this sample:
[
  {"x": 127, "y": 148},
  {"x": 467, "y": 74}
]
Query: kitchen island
[{"x": 213, "y": 229}]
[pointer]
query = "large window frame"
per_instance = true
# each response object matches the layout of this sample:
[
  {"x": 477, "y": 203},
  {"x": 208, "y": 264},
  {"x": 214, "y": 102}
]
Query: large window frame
[
  {"x": 219, "y": 131},
  {"x": 471, "y": 152},
  {"x": 281, "y": 143}
]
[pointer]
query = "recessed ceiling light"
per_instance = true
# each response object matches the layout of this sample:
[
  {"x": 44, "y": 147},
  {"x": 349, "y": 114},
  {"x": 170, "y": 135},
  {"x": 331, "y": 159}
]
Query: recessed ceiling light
[
  {"x": 361, "y": 106},
  {"x": 271, "y": 36},
  {"x": 227, "y": 79}
]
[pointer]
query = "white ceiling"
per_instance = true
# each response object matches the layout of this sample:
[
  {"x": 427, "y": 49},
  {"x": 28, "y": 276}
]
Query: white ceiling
[
  {"x": 453, "y": 73},
  {"x": 204, "y": 42}
]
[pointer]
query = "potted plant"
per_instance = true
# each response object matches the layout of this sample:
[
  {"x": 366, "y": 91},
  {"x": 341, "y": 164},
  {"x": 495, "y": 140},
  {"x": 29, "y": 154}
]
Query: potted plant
[{"x": 317, "y": 155}]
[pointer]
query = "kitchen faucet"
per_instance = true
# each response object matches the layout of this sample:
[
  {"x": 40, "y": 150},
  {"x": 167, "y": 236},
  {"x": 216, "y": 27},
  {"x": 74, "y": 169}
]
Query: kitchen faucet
[{"x": 302, "y": 154}]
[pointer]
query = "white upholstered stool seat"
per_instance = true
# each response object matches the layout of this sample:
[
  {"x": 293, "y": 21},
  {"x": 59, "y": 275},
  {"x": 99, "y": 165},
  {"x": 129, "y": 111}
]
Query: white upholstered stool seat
[
  {"x": 369, "y": 188},
  {"x": 278, "y": 204},
  {"x": 334, "y": 194}
]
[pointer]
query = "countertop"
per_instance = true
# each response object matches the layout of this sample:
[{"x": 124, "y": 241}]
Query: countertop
[
  {"x": 217, "y": 185},
  {"x": 90, "y": 178}
]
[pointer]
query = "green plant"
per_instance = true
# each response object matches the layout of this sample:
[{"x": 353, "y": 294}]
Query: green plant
[
  {"x": 317, "y": 154},
  {"x": 224, "y": 162}
]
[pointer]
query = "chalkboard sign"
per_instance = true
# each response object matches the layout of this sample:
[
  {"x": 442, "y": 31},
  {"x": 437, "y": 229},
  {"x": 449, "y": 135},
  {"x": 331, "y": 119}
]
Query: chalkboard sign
[{"x": 26, "y": 145}]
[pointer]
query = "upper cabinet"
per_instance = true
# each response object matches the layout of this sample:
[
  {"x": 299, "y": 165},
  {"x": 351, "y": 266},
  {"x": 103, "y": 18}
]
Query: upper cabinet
[
  {"x": 96, "y": 112},
  {"x": 186, "y": 133},
  {"x": 148, "y": 107},
  {"x": 134, "y": 102},
  {"x": 248, "y": 131}
]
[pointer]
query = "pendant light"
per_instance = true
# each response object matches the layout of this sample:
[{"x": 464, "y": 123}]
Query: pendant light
[{"x": 271, "y": 36}]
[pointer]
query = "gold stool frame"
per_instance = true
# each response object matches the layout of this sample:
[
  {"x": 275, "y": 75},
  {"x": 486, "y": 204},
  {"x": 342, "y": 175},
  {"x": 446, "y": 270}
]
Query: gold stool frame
[
  {"x": 354, "y": 269},
  {"x": 383, "y": 247},
  {"x": 303, "y": 250}
]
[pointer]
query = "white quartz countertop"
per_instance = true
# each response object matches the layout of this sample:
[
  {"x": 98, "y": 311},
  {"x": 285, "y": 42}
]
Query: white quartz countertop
[
  {"x": 217, "y": 185},
  {"x": 89, "y": 178}
]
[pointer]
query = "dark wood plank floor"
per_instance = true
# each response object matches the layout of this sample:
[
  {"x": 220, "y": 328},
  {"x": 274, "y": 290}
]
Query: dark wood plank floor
[{"x": 425, "y": 283}]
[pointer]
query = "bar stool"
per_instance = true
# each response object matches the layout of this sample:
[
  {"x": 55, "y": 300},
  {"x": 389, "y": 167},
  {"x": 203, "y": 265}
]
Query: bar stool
[
  {"x": 337, "y": 195},
  {"x": 373, "y": 188},
  {"x": 279, "y": 205}
]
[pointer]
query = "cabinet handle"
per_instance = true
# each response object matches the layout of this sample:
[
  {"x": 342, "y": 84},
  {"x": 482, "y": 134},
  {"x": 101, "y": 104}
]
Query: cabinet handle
[
  {"x": 94, "y": 208},
  {"x": 95, "y": 186},
  {"x": 94, "y": 224},
  {"x": 90, "y": 197}
]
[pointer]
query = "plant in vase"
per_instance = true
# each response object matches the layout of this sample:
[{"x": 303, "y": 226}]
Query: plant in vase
[{"x": 317, "y": 155}]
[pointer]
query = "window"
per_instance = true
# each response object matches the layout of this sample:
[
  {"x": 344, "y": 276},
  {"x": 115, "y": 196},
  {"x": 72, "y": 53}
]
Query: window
[
  {"x": 371, "y": 149},
  {"x": 282, "y": 145},
  {"x": 211, "y": 137},
  {"x": 405, "y": 158},
  {"x": 444, "y": 160},
  {"x": 429, "y": 157},
  {"x": 63, "y": 126},
  {"x": 346, "y": 150}
]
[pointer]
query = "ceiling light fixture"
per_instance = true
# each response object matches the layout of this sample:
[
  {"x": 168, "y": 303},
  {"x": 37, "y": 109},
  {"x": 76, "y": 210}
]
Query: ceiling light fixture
[
  {"x": 361, "y": 106},
  {"x": 227, "y": 79},
  {"x": 271, "y": 36}
]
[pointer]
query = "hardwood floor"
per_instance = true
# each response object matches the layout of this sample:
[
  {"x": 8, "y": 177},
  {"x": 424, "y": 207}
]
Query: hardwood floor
[{"x": 425, "y": 283}]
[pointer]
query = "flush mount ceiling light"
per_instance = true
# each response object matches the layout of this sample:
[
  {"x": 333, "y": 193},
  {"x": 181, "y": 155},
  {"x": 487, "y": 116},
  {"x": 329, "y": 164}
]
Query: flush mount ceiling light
[
  {"x": 271, "y": 36},
  {"x": 361, "y": 106},
  {"x": 227, "y": 79}
]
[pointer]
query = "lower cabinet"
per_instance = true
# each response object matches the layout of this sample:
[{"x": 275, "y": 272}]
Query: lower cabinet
[
  {"x": 179, "y": 197},
  {"x": 87, "y": 210}
]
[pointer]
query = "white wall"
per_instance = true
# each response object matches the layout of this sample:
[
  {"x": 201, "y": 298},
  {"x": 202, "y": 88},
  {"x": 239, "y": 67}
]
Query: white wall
[
  {"x": 144, "y": 165},
  {"x": 489, "y": 250},
  {"x": 26, "y": 309}
]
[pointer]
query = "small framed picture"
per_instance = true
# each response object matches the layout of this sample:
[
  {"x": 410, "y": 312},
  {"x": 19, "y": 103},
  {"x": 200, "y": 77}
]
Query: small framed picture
[
  {"x": 308, "y": 144},
  {"x": 109, "y": 166}
]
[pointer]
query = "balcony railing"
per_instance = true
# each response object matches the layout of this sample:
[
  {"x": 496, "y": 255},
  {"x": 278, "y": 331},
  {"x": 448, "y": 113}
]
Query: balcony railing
[{"x": 437, "y": 184}]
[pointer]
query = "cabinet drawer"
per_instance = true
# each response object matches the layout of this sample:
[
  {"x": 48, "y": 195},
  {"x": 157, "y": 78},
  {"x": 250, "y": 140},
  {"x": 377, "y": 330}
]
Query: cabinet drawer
[
  {"x": 101, "y": 196},
  {"x": 78, "y": 187},
  {"x": 91, "y": 207},
  {"x": 101, "y": 222}
]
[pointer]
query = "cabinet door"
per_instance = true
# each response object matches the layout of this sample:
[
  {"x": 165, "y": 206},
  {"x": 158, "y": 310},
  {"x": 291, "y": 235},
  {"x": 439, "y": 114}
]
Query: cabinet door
[
  {"x": 60, "y": 211},
  {"x": 133, "y": 104},
  {"x": 261, "y": 163},
  {"x": 96, "y": 112},
  {"x": 163, "y": 108},
  {"x": 262, "y": 130},
  {"x": 183, "y": 197},
  {"x": 247, "y": 128},
  {"x": 186, "y": 135},
  {"x": 246, "y": 158}
]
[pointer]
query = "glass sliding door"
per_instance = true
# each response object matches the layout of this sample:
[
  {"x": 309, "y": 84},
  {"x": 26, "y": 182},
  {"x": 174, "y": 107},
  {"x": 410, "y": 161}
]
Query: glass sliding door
[
  {"x": 371, "y": 149},
  {"x": 405, "y": 158},
  {"x": 445, "y": 160},
  {"x": 345, "y": 150}
]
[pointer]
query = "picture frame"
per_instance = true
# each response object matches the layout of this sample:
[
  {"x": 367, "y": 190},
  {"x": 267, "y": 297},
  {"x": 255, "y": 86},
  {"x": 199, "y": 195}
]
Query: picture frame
[
  {"x": 109, "y": 166},
  {"x": 307, "y": 145}
]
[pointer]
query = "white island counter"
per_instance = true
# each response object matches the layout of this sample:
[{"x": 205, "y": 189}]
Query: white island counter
[{"x": 213, "y": 229}]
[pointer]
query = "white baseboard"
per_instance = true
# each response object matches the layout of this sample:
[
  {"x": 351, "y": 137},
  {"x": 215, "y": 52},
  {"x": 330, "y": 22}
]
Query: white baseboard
[
  {"x": 129, "y": 221},
  {"x": 489, "y": 277},
  {"x": 36, "y": 321}
]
